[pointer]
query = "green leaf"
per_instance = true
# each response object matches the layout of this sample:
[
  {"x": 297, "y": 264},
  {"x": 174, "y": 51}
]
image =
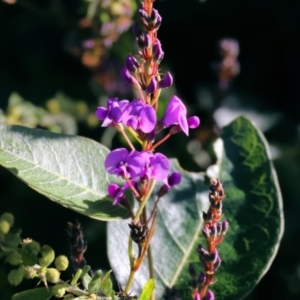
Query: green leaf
[
  {"x": 253, "y": 207},
  {"x": 76, "y": 277},
  {"x": 178, "y": 226},
  {"x": 67, "y": 169},
  {"x": 35, "y": 294},
  {"x": 94, "y": 284},
  {"x": 106, "y": 283},
  {"x": 148, "y": 290}
]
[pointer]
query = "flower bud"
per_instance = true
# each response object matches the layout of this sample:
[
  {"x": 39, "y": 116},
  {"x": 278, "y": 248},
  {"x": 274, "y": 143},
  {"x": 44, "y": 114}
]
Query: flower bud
[
  {"x": 9, "y": 218},
  {"x": 192, "y": 271},
  {"x": 157, "y": 51},
  {"x": 59, "y": 290},
  {"x": 201, "y": 279},
  {"x": 128, "y": 78},
  {"x": 132, "y": 64},
  {"x": 166, "y": 81},
  {"x": 4, "y": 226},
  {"x": 14, "y": 258},
  {"x": 209, "y": 295},
  {"x": 52, "y": 275},
  {"x": 144, "y": 41},
  {"x": 29, "y": 272},
  {"x": 213, "y": 230},
  {"x": 15, "y": 276},
  {"x": 207, "y": 217},
  {"x": 152, "y": 86},
  {"x": 136, "y": 30},
  {"x": 225, "y": 226},
  {"x": 193, "y": 122},
  {"x": 61, "y": 263},
  {"x": 139, "y": 232},
  {"x": 155, "y": 20},
  {"x": 206, "y": 232},
  {"x": 48, "y": 256},
  {"x": 217, "y": 263}
]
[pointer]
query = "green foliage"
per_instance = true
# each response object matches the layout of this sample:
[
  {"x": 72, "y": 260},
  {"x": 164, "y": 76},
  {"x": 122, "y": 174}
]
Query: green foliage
[
  {"x": 67, "y": 169},
  {"x": 148, "y": 290},
  {"x": 252, "y": 206},
  {"x": 35, "y": 294}
]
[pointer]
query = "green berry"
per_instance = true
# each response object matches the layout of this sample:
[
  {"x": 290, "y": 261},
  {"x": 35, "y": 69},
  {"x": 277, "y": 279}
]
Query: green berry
[
  {"x": 9, "y": 218},
  {"x": 59, "y": 290},
  {"x": 14, "y": 258},
  {"x": 48, "y": 256},
  {"x": 15, "y": 276},
  {"x": 52, "y": 275},
  {"x": 4, "y": 226},
  {"x": 61, "y": 263}
]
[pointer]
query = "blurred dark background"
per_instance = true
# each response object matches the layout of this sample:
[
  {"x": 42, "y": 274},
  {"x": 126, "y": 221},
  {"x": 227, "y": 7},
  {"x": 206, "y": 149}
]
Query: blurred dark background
[{"x": 57, "y": 66}]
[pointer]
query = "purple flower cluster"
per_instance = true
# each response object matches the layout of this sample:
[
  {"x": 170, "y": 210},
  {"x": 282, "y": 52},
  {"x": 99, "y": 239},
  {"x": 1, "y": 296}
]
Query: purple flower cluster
[{"x": 139, "y": 168}]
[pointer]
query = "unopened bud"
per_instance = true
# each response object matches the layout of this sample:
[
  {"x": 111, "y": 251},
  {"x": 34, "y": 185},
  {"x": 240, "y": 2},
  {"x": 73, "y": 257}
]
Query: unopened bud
[
  {"x": 225, "y": 226},
  {"x": 209, "y": 295},
  {"x": 217, "y": 263},
  {"x": 52, "y": 275},
  {"x": 139, "y": 232},
  {"x": 152, "y": 86},
  {"x": 144, "y": 41},
  {"x": 206, "y": 232},
  {"x": 30, "y": 272},
  {"x": 9, "y": 218},
  {"x": 59, "y": 290},
  {"x": 166, "y": 81},
  {"x": 192, "y": 271},
  {"x": 219, "y": 228},
  {"x": 213, "y": 230},
  {"x": 201, "y": 279},
  {"x": 4, "y": 226},
  {"x": 61, "y": 263},
  {"x": 157, "y": 51},
  {"x": 132, "y": 64},
  {"x": 207, "y": 217},
  {"x": 128, "y": 78}
]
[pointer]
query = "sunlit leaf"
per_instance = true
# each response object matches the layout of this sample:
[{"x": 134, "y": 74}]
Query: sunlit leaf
[
  {"x": 67, "y": 169},
  {"x": 253, "y": 207},
  {"x": 148, "y": 290}
]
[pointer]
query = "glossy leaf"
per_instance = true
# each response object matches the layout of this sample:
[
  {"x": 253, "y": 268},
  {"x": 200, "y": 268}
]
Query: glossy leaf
[
  {"x": 35, "y": 294},
  {"x": 67, "y": 169},
  {"x": 253, "y": 207}
]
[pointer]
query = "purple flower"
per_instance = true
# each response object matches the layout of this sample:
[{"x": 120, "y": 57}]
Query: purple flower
[
  {"x": 158, "y": 166},
  {"x": 127, "y": 165},
  {"x": 117, "y": 192},
  {"x": 176, "y": 114},
  {"x": 209, "y": 295},
  {"x": 197, "y": 296},
  {"x": 139, "y": 115},
  {"x": 112, "y": 114},
  {"x": 169, "y": 182}
]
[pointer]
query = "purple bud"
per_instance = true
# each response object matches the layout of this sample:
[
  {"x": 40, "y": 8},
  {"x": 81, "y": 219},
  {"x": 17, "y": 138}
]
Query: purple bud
[
  {"x": 217, "y": 263},
  {"x": 166, "y": 81},
  {"x": 209, "y": 295},
  {"x": 172, "y": 180},
  {"x": 207, "y": 217},
  {"x": 143, "y": 15},
  {"x": 225, "y": 226},
  {"x": 193, "y": 122},
  {"x": 213, "y": 230},
  {"x": 201, "y": 279},
  {"x": 144, "y": 41},
  {"x": 132, "y": 64},
  {"x": 155, "y": 19},
  {"x": 151, "y": 88},
  {"x": 205, "y": 232},
  {"x": 128, "y": 78},
  {"x": 136, "y": 30},
  {"x": 213, "y": 257},
  {"x": 158, "y": 53},
  {"x": 219, "y": 228},
  {"x": 197, "y": 296},
  {"x": 192, "y": 271}
]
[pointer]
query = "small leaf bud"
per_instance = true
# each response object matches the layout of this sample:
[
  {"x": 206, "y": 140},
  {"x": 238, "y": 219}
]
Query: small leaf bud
[
  {"x": 52, "y": 275},
  {"x": 9, "y": 218},
  {"x": 15, "y": 276},
  {"x": 59, "y": 290},
  {"x": 14, "y": 258},
  {"x": 48, "y": 256},
  {"x": 61, "y": 263},
  {"x": 4, "y": 226}
]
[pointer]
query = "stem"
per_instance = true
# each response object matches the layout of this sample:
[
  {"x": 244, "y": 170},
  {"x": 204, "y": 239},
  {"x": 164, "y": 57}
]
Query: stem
[
  {"x": 127, "y": 139},
  {"x": 161, "y": 141},
  {"x": 129, "y": 282},
  {"x": 150, "y": 266},
  {"x": 145, "y": 200}
]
